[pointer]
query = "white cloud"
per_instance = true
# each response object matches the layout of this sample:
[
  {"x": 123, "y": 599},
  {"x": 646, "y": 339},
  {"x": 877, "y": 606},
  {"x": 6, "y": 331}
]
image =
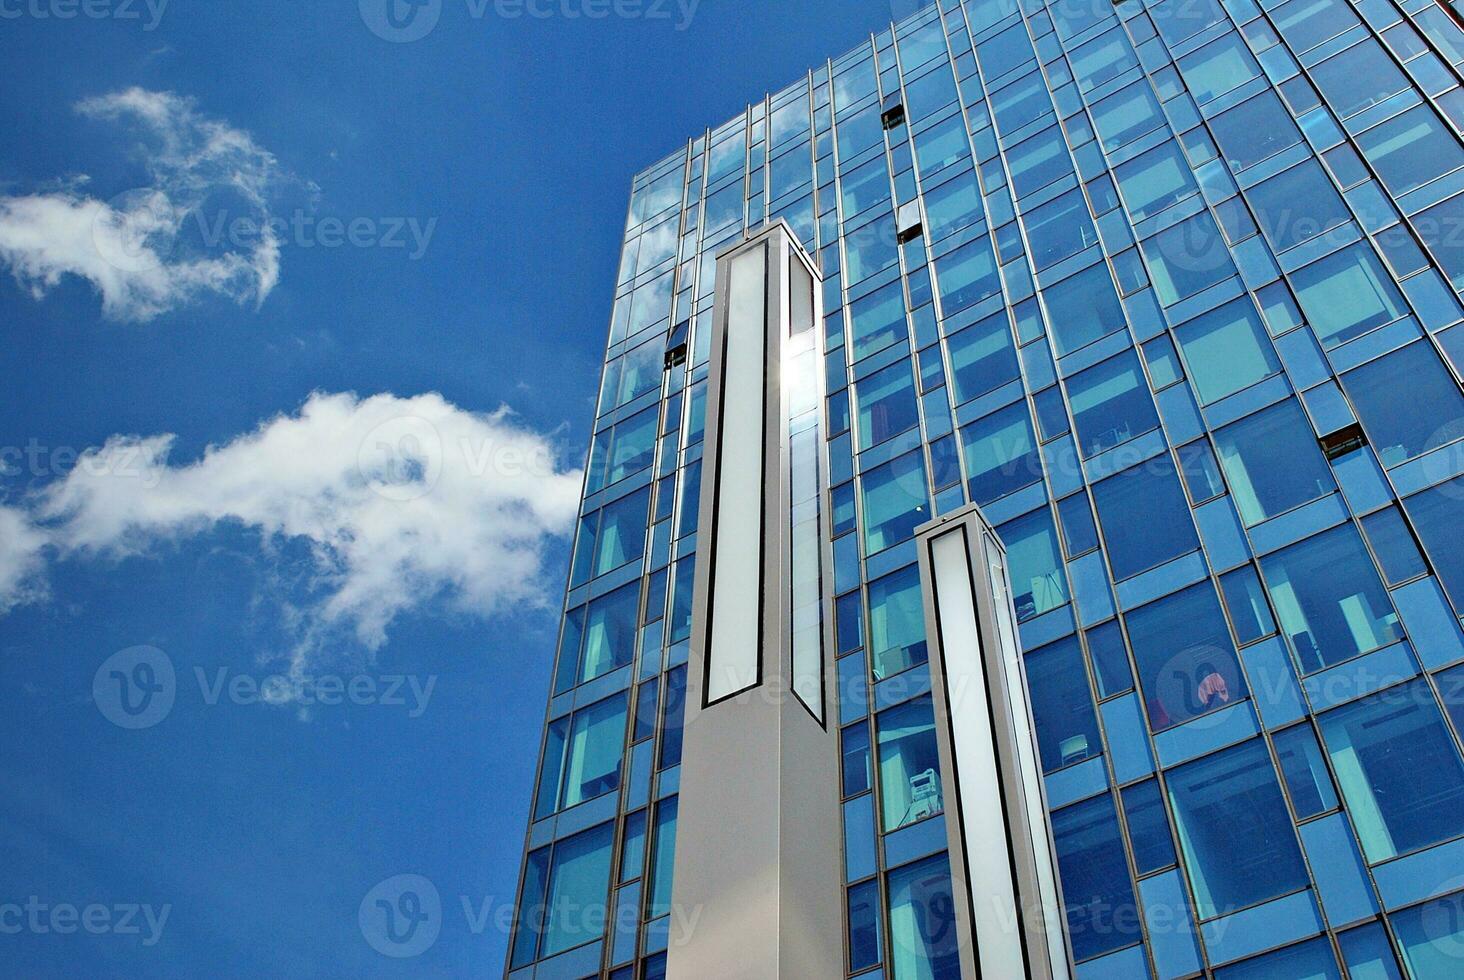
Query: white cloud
[
  {"x": 402, "y": 502},
  {"x": 22, "y": 564},
  {"x": 134, "y": 248}
]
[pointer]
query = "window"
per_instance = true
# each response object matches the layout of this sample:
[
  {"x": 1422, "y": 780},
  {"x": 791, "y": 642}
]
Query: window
[
  {"x": 896, "y": 623},
  {"x": 896, "y": 502},
  {"x": 727, "y": 157},
  {"x": 909, "y": 768},
  {"x": 629, "y": 448},
  {"x": 923, "y": 930},
  {"x": 1126, "y": 115},
  {"x": 1431, "y": 935},
  {"x": 582, "y": 756},
  {"x": 1151, "y": 182},
  {"x": 1143, "y": 807},
  {"x": 641, "y": 370},
  {"x": 663, "y": 859},
  {"x": 1078, "y": 530},
  {"x": 1358, "y": 78},
  {"x": 954, "y": 205},
  {"x": 1273, "y": 462},
  {"x": 860, "y": 131},
  {"x": 1111, "y": 404},
  {"x": 982, "y": 358},
  {"x": 865, "y": 187},
  {"x": 853, "y": 84},
  {"x": 646, "y": 701},
  {"x": 1035, "y": 564},
  {"x": 1021, "y": 103},
  {"x": 1179, "y": 20},
  {"x": 1246, "y": 601},
  {"x": 857, "y": 775},
  {"x": 871, "y": 249},
  {"x": 1101, "y": 59},
  {"x": 611, "y": 537},
  {"x": 967, "y": 276},
  {"x": 1435, "y": 225},
  {"x": 609, "y": 632},
  {"x": 1394, "y": 546},
  {"x": 942, "y": 145},
  {"x": 1062, "y": 706},
  {"x": 1098, "y": 895},
  {"x": 931, "y": 92},
  {"x": 1438, "y": 514},
  {"x": 1368, "y": 954},
  {"x": 922, "y": 44},
  {"x": 1311, "y": 960},
  {"x": 1072, "y": 17},
  {"x": 1110, "y": 660},
  {"x": 1347, "y": 294},
  {"x": 1186, "y": 258},
  {"x": 1237, "y": 839},
  {"x": 1226, "y": 351},
  {"x": 1307, "y": 23},
  {"x": 1058, "y": 229},
  {"x": 878, "y": 320},
  {"x": 1004, "y": 52},
  {"x": 1001, "y": 454},
  {"x": 1218, "y": 67},
  {"x": 887, "y": 404},
  {"x": 673, "y": 716},
  {"x": 1082, "y": 309},
  {"x": 1186, "y": 660},
  {"x": 1401, "y": 428},
  {"x": 1255, "y": 130},
  {"x": 865, "y": 911},
  {"x": 1329, "y": 600},
  {"x": 579, "y": 884},
  {"x": 690, "y": 499},
  {"x": 1297, "y": 205},
  {"x": 1305, "y": 772},
  {"x": 1411, "y": 149},
  {"x": 1145, "y": 518},
  {"x": 1399, "y": 770},
  {"x": 1038, "y": 161}
]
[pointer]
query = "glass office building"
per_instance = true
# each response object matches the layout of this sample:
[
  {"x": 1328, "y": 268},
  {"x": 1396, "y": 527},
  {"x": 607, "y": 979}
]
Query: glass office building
[{"x": 1171, "y": 289}]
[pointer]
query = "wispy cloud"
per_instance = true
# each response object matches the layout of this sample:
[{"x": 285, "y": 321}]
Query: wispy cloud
[
  {"x": 402, "y": 502},
  {"x": 22, "y": 563},
  {"x": 134, "y": 248}
]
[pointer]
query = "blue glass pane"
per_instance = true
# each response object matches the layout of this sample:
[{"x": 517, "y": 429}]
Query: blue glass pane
[
  {"x": 1145, "y": 517},
  {"x": 1237, "y": 837},
  {"x": 1249, "y": 453},
  {"x": 896, "y": 502},
  {"x": 1148, "y": 824},
  {"x": 1432, "y": 938},
  {"x": 1111, "y": 404},
  {"x": 1329, "y": 599},
  {"x": 1187, "y": 662},
  {"x": 1380, "y": 746},
  {"x": 865, "y": 912},
  {"x": 924, "y": 941},
  {"x": 1311, "y": 960},
  {"x": 1097, "y": 891},
  {"x": 1001, "y": 454},
  {"x": 1062, "y": 705},
  {"x": 1438, "y": 514},
  {"x": 896, "y": 622},
  {"x": 909, "y": 767},
  {"x": 1034, "y": 564}
]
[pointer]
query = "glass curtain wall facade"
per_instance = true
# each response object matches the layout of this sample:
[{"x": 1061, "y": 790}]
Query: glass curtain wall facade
[{"x": 1172, "y": 290}]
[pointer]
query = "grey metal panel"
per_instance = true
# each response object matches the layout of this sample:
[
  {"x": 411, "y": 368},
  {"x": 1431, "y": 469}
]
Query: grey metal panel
[
  {"x": 758, "y": 868},
  {"x": 1003, "y": 862}
]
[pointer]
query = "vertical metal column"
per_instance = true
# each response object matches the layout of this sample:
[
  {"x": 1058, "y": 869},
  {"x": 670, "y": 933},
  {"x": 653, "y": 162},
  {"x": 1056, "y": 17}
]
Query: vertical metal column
[
  {"x": 759, "y": 871},
  {"x": 1003, "y": 862}
]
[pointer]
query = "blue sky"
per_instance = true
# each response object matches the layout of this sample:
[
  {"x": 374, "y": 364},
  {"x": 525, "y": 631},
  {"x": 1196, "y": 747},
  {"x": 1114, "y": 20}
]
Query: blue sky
[{"x": 498, "y": 150}]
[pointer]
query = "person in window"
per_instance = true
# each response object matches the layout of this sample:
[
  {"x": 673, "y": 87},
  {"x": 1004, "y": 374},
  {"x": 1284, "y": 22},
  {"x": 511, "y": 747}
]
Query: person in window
[{"x": 1213, "y": 691}]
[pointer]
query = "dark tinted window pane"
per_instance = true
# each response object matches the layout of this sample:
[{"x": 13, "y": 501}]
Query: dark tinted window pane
[
  {"x": 1187, "y": 662},
  {"x": 1143, "y": 807},
  {"x": 1239, "y": 843},
  {"x": 1145, "y": 518},
  {"x": 1062, "y": 705},
  {"x": 1111, "y": 404},
  {"x": 1096, "y": 888},
  {"x": 1400, "y": 428},
  {"x": 1439, "y": 514}
]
